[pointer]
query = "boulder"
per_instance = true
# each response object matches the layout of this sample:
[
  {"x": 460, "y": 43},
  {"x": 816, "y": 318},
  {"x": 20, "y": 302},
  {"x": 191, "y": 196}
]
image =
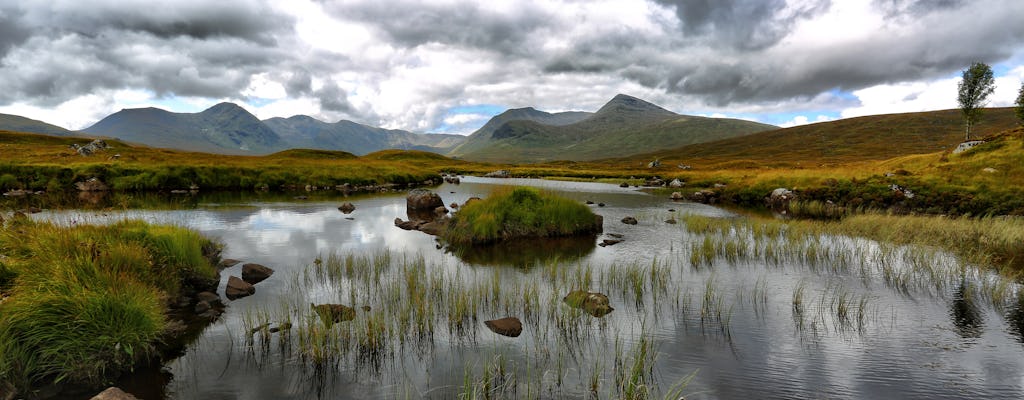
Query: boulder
[
  {"x": 593, "y": 303},
  {"x": 237, "y": 288},
  {"x": 409, "y": 225},
  {"x": 435, "y": 228},
  {"x": 676, "y": 196},
  {"x": 347, "y": 208},
  {"x": 510, "y": 326},
  {"x": 501, "y": 173},
  {"x": 629, "y": 221},
  {"x": 113, "y": 393},
  {"x": 422, "y": 199},
  {"x": 331, "y": 313},
  {"x": 705, "y": 196},
  {"x": 255, "y": 273},
  {"x": 623, "y": 185},
  {"x": 779, "y": 198},
  {"x": 452, "y": 179},
  {"x": 92, "y": 185},
  {"x": 676, "y": 183}
]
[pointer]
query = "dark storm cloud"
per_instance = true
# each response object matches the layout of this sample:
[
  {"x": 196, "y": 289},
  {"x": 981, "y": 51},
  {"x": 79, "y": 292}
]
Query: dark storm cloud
[
  {"x": 12, "y": 32},
  {"x": 332, "y": 98},
  {"x": 743, "y": 24}
]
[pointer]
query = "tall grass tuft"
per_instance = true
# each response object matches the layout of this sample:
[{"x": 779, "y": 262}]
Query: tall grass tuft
[{"x": 520, "y": 212}]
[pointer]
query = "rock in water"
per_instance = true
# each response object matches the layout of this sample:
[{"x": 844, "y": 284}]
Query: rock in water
[
  {"x": 510, "y": 326},
  {"x": 237, "y": 288},
  {"x": 629, "y": 221},
  {"x": 113, "y": 393},
  {"x": 593, "y": 303},
  {"x": 92, "y": 185},
  {"x": 422, "y": 199},
  {"x": 331, "y": 313},
  {"x": 347, "y": 208},
  {"x": 255, "y": 273},
  {"x": 501, "y": 173},
  {"x": 676, "y": 196}
]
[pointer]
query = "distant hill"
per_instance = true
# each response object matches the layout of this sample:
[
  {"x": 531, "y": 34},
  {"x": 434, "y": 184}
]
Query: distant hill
[
  {"x": 624, "y": 126},
  {"x": 18, "y": 123},
  {"x": 875, "y": 137},
  {"x": 223, "y": 128},
  {"x": 303, "y": 131},
  {"x": 227, "y": 128}
]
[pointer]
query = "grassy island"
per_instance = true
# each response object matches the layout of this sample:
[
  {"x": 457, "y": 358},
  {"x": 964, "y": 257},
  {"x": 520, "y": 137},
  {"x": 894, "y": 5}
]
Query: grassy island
[
  {"x": 81, "y": 304},
  {"x": 520, "y": 213}
]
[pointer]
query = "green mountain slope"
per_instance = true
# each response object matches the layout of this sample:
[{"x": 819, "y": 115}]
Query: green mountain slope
[
  {"x": 482, "y": 139},
  {"x": 224, "y": 128},
  {"x": 303, "y": 131},
  {"x": 18, "y": 123},
  {"x": 624, "y": 126},
  {"x": 875, "y": 137}
]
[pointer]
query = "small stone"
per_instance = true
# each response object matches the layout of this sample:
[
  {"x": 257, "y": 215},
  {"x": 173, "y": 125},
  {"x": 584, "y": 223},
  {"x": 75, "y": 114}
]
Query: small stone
[
  {"x": 671, "y": 221},
  {"x": 347, "y": 208},
  {"x": 629, "y": 221},
  {"x": 589, "y": 202},
  {"x": 237, "y": 288},
  {"x": 255, "y": 273},
  {"x": 600, "y": 204}
]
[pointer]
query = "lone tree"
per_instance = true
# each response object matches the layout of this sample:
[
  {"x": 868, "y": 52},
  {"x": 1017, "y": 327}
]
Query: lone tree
[
  {"x": 1020, "y": 104},
  {"x": 975, "y": 87}
]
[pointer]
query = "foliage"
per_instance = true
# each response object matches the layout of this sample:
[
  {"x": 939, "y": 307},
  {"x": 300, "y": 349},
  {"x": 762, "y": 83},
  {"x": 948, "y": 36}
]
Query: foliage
[
  {"x": 974, "y": 88},
  {"x": 87, "y": 302},
  {"x": 520, "y": 212},
  {"x": 1019, "y": 109}
]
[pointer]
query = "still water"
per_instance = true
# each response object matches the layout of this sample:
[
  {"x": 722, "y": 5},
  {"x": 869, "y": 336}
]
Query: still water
[{"x": 823, "y": 317}]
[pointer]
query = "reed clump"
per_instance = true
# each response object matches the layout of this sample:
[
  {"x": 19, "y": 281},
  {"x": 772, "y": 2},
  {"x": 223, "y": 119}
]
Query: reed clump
[{"x": 520, "y": 213}]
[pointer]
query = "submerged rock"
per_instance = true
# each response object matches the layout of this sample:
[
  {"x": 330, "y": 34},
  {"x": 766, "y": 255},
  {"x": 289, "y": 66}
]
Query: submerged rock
[
  {"x": 629, "y": 221},
  {"x": 237, "y": 288},
  {"x": 593, "y": 303},
  {"x": 331, "y": 313},
  {"x": 255, "y": 273},
  {"x": 347, "y": 208},
  {"x": 510, "y": 326}
]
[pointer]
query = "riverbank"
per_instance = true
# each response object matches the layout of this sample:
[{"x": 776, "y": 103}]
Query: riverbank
[{"x": 82, "y": 304}]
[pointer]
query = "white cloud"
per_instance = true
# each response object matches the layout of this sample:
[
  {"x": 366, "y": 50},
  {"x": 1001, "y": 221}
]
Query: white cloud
[{"x": 803, "y": 120}]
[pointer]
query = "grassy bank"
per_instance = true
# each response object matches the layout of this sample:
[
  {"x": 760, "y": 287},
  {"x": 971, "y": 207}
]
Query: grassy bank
[
  {"x": 520, "y": 212},
  {"x": 84, "y": 303}
]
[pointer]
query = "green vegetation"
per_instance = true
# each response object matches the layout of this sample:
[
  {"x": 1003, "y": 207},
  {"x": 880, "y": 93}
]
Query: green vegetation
[
  {"x": 974, "y": 88},
  {"x": 517, "y": 213},
  {"x": 84, "y": 303},
  {"x": 1019, "y": 104}
]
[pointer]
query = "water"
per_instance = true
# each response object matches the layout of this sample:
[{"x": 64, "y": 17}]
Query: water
[{"x": 875, "y": 321}]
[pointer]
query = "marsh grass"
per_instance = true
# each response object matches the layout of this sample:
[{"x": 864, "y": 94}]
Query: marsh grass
[
  {"x": 518, "y": 213},
  {"x": 87, "y": 302}
]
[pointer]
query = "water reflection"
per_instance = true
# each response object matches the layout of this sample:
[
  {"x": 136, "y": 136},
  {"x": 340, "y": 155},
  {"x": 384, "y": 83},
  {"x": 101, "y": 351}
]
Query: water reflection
[
  {"x": 525, "y": 253},
  {"x": 1015, "y": 318},
  {"x": 967, "y": 318}
]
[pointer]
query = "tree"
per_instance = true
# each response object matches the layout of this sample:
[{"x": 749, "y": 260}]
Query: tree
[
  {"x": 975, "y": 87},
  {"x": 1020, "y": 104}
]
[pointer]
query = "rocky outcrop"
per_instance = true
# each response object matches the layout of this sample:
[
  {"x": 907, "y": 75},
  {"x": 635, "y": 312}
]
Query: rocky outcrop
[
  {"x": 93, "y": 147},
  {"x": 593, "y": 303},
  {"x": 332, "y": 313},
  {"x": 501, "y": 173},
  {"x": 347, "y": 208},
  {"x": 238, "y": 288},
  {"x": 422, "y": 199},
  {"x": 92, "y": 185},
  {"x": 510, "y": 326},
  {"x": 255, "y": 273}
]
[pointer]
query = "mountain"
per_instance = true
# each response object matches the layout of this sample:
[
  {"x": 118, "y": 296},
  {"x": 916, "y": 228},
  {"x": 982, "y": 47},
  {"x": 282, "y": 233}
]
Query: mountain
[
  {"x": 869, "y": 138},
  {"x": 303, "y": 131},
  {"x": 624, "y": 126},
  {"x": 17, "y": 123},
  {"x": 223, "y": 128},
  {"x": 229, "y": 129}
]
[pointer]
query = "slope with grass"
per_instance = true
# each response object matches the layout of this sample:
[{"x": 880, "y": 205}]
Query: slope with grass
[
  {"x": 302, "y": 131},
  {"x": 21, "y": 124},
  {"x": 624, "y": 126}
]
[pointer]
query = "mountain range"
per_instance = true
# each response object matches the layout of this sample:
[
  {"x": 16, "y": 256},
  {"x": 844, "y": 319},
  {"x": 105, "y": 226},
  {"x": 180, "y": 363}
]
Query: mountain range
[{"x": 624, "y": 126}]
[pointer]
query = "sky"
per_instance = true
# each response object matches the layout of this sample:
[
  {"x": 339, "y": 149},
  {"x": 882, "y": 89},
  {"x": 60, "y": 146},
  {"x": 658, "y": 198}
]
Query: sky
[{"x": 447, "y": 66}]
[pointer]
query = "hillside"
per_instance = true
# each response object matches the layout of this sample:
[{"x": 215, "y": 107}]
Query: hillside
[
  {"x": 18, "y": 123},
  {"x": 869, "y": 138},
  {"x": 624, "y": 126},
  {"x": 223, "y": 128},
  {"x": 481, "y": 139},
  {"x": 302, "y": 131}
]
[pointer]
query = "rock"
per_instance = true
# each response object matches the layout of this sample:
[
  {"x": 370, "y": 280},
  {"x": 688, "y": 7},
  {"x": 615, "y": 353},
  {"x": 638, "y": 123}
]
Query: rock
[
  {"x": 676, "y": 196},
  {"x": 92, "y": 147},
  {"x": 501, "y": 173},
  {"x": 408, "y": 225},
  {"x": 452, "y": 179},
  {"x": 676, "y": 183},
  {"x": 600, "y": 204},
  {"x": 237, "y": 288},
  {"x": 440, "y": 211},
  {"x": 719, "y": 185},
  {"x": 510, "y": 326},
  {"x": 595, "y": 304},
  {"x": 422, "y": 199},
  {"x": 654, "y": 164},
  {"x": 615, "y": 235},
  {"x": 629, "y": 221},
  {"x": 202, "y": 307},
  {"x": 609, "y": 242},
  {"x": 671, "y": 210},
  {"x": 990, "y": 170},
  {"x": 705, "y": 196},
  {"x": 210, "y": 298},
  {"x": 113, "y": 393},
  {"x": 654, "y": 182},
  {"x": 454, "y": 205},
  {"x": 331, "y": 313},
  {"x": 671, "y": 221},
  {"x": 91, "y": 185},
  {"x": 435, "y": 228},
  {"x": 623, "y": 185},
  {"x": 300, "y": 197},
  {"x": 227, "y": 263},
  {"x": 588, "y": 202},
  {"x": 470, "y": 200},
  {"x": 779, "y": 198},
  {"x": 347, "y": 208},
  {"x": 17, "y": 193},
  {"x": 255, "y": 273}
]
